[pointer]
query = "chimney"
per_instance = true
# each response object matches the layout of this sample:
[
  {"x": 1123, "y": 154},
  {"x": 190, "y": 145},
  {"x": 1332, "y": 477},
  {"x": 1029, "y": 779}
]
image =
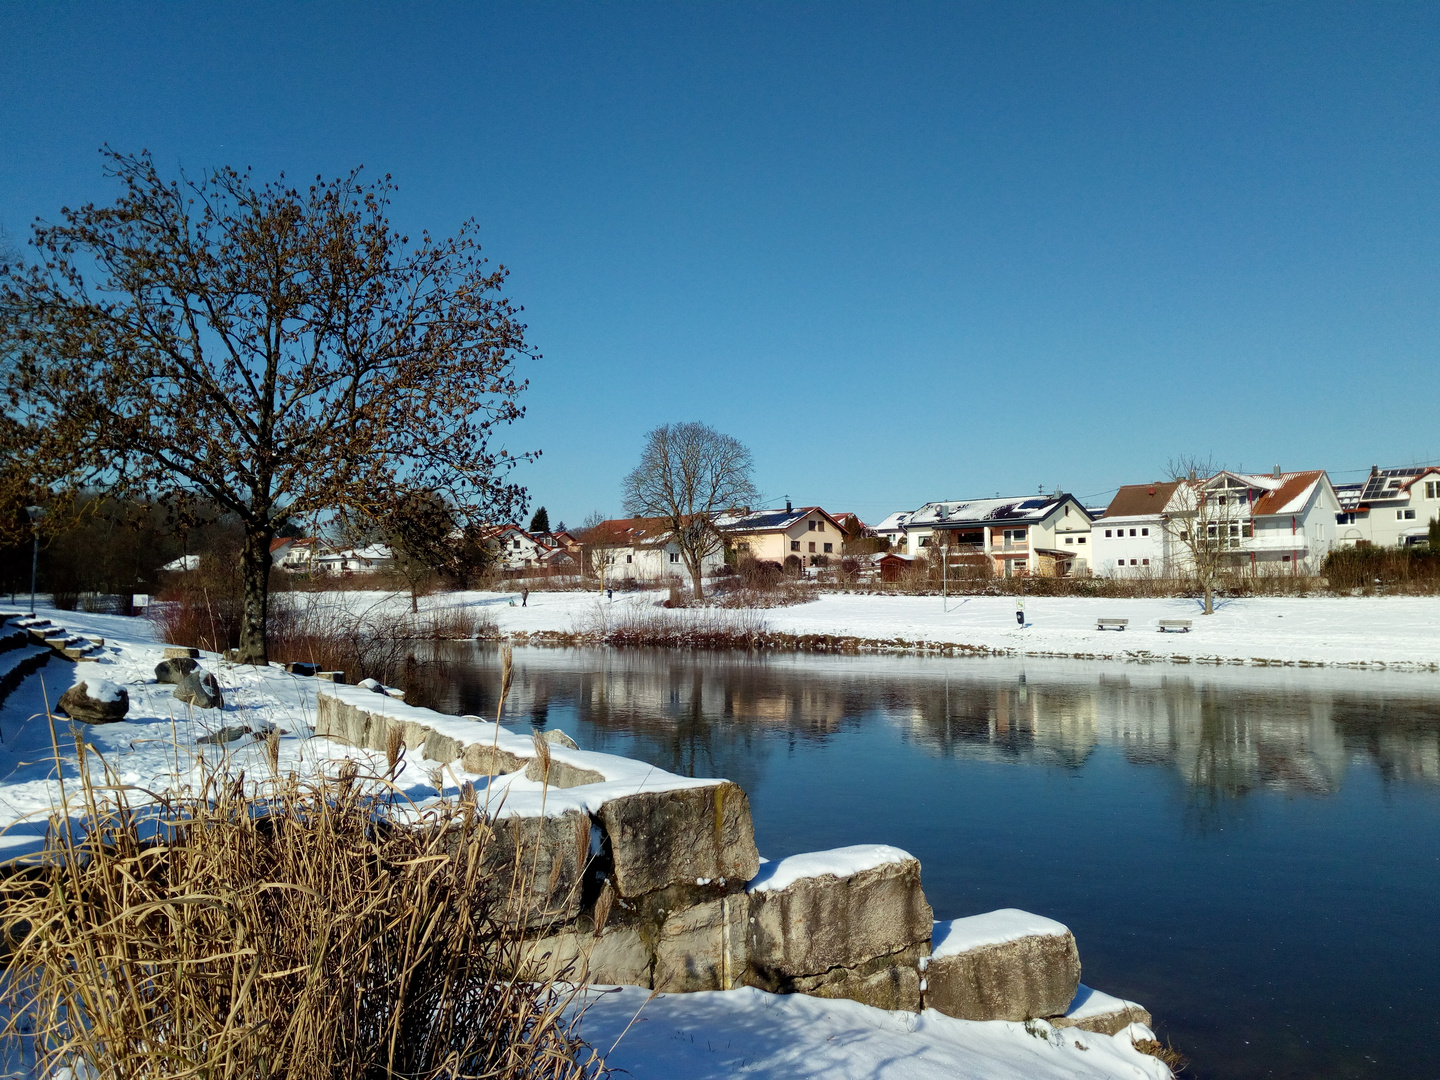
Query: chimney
[
  {"x": 1152, "y": 489},
  {"x": 788, "y": 507},
  {"x": 1276, "y": 474}
]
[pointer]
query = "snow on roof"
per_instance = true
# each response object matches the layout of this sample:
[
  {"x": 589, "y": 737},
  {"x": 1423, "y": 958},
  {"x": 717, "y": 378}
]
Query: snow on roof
[
  {"x": 838, "y": 862},
  {"x": 185, "y": 562},
  {"x": 993, "y": 928},
  {"x": 895, "y": 522},
  {"x": 772, "y": 520},
  {"x": 1014, "y": 508},
  {"x": 372, "y": 553},
  {"x": 1385, "y": 484}
]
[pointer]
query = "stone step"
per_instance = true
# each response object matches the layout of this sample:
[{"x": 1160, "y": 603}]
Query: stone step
[
  {"x": 1101, "y": 1013},
  {"x": 1004, "y": 965},
  {"x": 175, "y": 652}
]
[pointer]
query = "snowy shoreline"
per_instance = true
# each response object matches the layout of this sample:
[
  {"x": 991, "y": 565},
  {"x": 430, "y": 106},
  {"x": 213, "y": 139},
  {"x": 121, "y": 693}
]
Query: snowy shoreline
[{"x": 1361, "y": 633}]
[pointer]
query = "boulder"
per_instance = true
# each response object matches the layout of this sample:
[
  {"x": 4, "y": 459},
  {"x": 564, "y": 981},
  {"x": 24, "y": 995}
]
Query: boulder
[
  {"x": 545, "y": 858},
  {"x": 176, "y": 652},
  {"x": 1005, "y": 965},
  {"x": 562, "y": 774},
  {"x": 1105, "y": 1015},
  {"x": 484, "y": 759},
  {"x": 885, "y": 982},
  {"x": 174, "y": 670},
  {"x": 95, "y": 701},
  {"x": 840, "y": 908},
  {"x": 556, "y": 737},
  {"x": 657, "y": 838},
  {"x": 200, "y": 689}
]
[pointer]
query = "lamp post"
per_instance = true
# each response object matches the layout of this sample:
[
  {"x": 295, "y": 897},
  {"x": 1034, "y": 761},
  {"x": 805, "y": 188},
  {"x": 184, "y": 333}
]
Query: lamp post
[{"x": 36, "y": 515}]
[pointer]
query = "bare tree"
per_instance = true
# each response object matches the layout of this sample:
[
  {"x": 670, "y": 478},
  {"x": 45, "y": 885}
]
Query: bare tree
[
  {"x": 1205, "y": 527},
  {"x": 279, "y": 351},
  {"x": 689, "y": 473}
]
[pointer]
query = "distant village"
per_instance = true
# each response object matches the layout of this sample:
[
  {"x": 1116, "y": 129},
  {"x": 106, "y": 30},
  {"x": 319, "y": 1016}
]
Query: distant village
[{"x": 1266, "y": 523}]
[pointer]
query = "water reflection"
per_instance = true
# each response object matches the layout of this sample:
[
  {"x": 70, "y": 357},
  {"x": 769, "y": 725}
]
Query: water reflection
[{"x": 1226, "y": 733}]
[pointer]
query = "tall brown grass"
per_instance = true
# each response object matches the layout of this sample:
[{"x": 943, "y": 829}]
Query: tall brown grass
[
  {"x": 298, "y": 928},
  {"x": 625, "y": 625}
]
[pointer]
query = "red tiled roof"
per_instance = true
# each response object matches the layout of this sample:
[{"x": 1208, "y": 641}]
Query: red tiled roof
[
  {"x": 1292, "y": 486},
  {"x": 1139, "y": 500}
]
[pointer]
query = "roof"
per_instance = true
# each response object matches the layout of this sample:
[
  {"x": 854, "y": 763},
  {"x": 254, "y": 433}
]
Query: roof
[
  {"x": 1020, "y": 508},
  {"x": 1291, "y": 496},
  {"x": 1385, "y": 484},
  {"x": 291, "y": 541},
  {"x": 630, "y": 532},
  {"x": 774, "y": 520},
  {"x": 374, "y": 552},
  {"x": 895, "y": 522},
  {"x": 1142, "y": 500}
]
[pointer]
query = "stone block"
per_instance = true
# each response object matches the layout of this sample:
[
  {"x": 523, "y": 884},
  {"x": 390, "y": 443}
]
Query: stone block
[
  {"x": 835, "y": 909},
  {"x": 618, "y": 956},
  {"x": 176, "y": 652},
  {"x": 485, "y": 759},
  {"x": 562, "y": 774},
  {"x": 1005, "y": 965},
  {"x": 657, "y": 838},
  {"x": 200, "y": 690},
  {"x": 702, "y": 947},
  {"x": 331, "y": 676},
  {"x": 556, "y": 737},
  {"x": 300, "y": 667},
  {"x": 540, "y": 862},
  {"x": 1105, "y": 1015},
  {"x": 885, "y": 982}
]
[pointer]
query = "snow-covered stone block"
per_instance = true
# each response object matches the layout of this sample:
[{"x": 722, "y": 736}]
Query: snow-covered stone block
[
  {"x": 681, "y": 834},
  {"x": 1004, "y": 965},
  {"x": 851, "y": 922},
  {"x": 1101, "y": 1013},
  {"x": 176, "y": 652}
]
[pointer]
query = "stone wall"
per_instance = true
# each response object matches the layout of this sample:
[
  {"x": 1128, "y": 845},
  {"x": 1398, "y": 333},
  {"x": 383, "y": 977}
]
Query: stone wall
[{"x": 649, "y": 879}]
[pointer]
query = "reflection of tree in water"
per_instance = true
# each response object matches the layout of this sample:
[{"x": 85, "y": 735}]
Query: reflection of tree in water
[{"x": 728, "y": 714}]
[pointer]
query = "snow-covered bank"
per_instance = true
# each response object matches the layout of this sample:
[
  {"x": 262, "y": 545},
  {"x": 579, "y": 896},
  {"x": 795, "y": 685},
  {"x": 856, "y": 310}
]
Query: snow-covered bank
[
  {"x": 746, "y": 1032},
  {"x": 1394, "y": 632}
]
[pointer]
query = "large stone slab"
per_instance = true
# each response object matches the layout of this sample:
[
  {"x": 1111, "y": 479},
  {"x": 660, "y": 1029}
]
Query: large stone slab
[
  {"x": 562, "y": 774},
  {"x": 617, "y": 956},
  {"x": 702, "y": 947},
  {"x": 835, "y": 909},
  {"x": 173, "y": 671},
  {"x": 1105, "y": 1015},
  {"x": 1005, "y": 965},
  {"x": 95, "y": 701},
  {"x": 658, "y": 838},
  {"x": 541, "y": 862},
  {"x": 886, "y": 982}
]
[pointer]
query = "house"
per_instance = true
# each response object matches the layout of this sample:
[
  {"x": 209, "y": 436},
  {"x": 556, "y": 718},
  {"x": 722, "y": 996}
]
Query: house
[
  {"x": 1267, "y": 523},
  {"x": 1130, "y": 538},
  {"x": 294, "y": 554},
  {"x": 1391, "y": 508},
  {"x": 807, "y": 534},
  {"x": 641, "y": 549},
  {"x": 366, "y": 560},
  {"x": 892, "y": 529},
  {"x": 1042, "y": 535},
  {"x": 516, "y": 550}
]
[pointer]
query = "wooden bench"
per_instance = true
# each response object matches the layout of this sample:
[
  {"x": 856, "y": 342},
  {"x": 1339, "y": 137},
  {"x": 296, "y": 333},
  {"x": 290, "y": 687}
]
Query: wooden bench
[
  {"x": 1111, "y": 624},
  {"x": 1176, "y": 626}
]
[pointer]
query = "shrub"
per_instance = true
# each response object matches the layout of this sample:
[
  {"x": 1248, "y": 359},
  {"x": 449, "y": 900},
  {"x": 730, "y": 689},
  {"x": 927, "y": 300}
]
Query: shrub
[{"x": 298, "y": 928}]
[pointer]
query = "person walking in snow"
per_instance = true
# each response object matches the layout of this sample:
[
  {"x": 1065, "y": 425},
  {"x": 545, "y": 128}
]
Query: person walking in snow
[{"x": 524, "y": 595}]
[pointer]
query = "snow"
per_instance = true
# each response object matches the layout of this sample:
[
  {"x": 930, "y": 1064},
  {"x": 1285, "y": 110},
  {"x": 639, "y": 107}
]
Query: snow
[
  {"x": 840, "y": 862},
  {"x": 993, "y": 928},
  {"x": 1392, "y": 632},
  {"x": 1089, "y": 1002},
  {"x": 102, "y": 690},
  {"x": 716, "y": 1035}
]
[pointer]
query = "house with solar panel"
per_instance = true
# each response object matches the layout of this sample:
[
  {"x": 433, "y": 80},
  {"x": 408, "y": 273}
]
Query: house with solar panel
[
  {"x": 1391, "y": 508},
  {"x": 1044, "y": 535},
  {"x": 806, "y": 534}
]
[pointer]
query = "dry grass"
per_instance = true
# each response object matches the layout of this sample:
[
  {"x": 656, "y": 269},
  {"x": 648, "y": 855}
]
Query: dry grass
[
  {"x": 291, "y": 928},
  {"x": 688, "y": 628},
  {"x": 1175, "y": 1060}
]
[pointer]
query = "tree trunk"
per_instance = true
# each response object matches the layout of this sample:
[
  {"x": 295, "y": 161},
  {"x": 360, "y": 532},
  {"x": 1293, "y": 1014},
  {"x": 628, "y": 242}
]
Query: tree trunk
[
  {"x": 255, "y": 581},
  {"x": 694, "y": 565},
  {"x": 1209, "y": 597}
]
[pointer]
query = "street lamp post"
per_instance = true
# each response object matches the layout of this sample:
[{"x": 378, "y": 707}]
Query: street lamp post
[{"x": 36, "y": 515}]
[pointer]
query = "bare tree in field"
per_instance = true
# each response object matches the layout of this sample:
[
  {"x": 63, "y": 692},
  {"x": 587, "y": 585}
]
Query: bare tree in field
[
  {"x": 689, "y": 473},
  {"x": 1205, "y": 528},
  {"x": 277, "y": 351}
]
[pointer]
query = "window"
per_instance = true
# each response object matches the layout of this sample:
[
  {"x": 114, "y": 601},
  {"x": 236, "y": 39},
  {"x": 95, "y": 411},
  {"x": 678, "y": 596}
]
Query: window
[
  {"x": 1132, "y": 532},
  {"x": 812, "y": 545},
  {"x": 812, "y": 525},
  {"x": 1144, "y": 532},
  {"x": 1069, "y": 540},
  {"x": 674, "y": 556},
  {"x": 924, "y": 542},
  {"x": 829, "y": 548},
  {"x": 1107, "y": 532},
  {"x": 1345, "y": 518},
  {"x": 1132, "y": 562},
  {"x": 517, "y": 545},
  {"x": 1405, "y": 515},
  {"x": 629, "y": 558},
  {"x": 1144, "y": 562},
  {"x": 742, "y": 547},
  {"x": 1432, "y": 489},
  {"x": 819, "y": 526},
  {"x": 1081, "y": 540},
  {"x": 794, "y": 545}
]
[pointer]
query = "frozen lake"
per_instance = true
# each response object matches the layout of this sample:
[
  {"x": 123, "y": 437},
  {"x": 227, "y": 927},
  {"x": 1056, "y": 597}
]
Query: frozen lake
[{"x": 1252, "y": 854}]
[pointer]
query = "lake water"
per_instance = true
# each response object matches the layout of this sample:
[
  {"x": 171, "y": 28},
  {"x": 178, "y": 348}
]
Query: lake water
[{"x": 1254, "y": 855}]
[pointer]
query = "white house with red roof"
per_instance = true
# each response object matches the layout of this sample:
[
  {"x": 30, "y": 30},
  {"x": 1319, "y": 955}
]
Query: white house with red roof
[{"x": 516, "y": 550}]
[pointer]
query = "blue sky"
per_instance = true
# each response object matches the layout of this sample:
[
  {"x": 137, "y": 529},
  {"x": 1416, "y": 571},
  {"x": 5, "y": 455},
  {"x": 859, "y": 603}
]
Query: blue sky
[{"x": 903, "y": 252}]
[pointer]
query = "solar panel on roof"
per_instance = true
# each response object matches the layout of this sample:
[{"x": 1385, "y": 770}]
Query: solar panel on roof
[{"x": 1032, "y": 504}]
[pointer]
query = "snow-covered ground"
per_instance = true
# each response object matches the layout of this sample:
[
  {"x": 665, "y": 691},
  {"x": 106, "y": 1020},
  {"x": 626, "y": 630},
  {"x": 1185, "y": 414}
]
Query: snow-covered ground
[
  {"x": 1344, "y": 631},
  {"x": 742, "y": 1032}
]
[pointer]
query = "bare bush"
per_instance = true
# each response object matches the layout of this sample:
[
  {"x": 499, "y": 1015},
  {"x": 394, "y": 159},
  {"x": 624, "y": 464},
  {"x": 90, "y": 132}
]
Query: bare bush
[
  {"x": 690, "y": 628},
  {"x": 304, "y": 928}
]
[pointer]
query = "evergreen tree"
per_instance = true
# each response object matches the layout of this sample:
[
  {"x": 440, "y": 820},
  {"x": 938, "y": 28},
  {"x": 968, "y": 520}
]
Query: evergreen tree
[{"x": 540, "y": 523}]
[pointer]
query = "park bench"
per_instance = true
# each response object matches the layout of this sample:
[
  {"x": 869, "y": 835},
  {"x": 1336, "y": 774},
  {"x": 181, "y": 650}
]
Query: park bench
[
  {"x": 1111, "y": 624},
  {"x": 1177, "y": 626}
]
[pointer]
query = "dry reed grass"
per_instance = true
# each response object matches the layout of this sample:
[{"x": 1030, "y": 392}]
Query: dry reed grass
[
  {"x": 688, "y": 628},
  {"x": 298, "y": 928}
]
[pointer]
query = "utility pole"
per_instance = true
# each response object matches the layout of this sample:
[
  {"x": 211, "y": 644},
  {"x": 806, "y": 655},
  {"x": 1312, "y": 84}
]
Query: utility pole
[{"x": 36, "y": 515}]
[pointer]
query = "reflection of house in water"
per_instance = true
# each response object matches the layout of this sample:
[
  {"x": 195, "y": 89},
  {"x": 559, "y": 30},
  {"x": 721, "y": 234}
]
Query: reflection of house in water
[{"x": 1000, "y": 721}]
